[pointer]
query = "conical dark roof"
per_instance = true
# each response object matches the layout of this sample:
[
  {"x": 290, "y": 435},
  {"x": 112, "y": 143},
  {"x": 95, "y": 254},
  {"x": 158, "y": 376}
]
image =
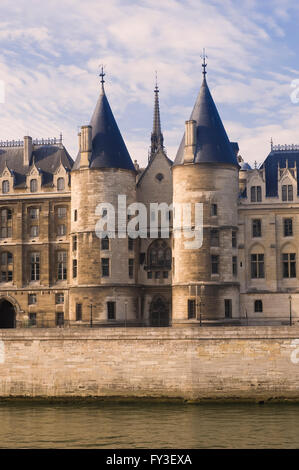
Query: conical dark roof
[
  {"x": 213, "y": 145},
  {"x": 108, "y": 147}
]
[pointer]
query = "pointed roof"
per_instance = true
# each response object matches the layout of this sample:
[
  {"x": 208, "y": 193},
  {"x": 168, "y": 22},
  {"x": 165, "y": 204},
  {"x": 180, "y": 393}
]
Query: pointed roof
[
  {"x": 213, "y": 145},
  {"x": 108, "y": 147},
  {"x": 157, "y": 139}
]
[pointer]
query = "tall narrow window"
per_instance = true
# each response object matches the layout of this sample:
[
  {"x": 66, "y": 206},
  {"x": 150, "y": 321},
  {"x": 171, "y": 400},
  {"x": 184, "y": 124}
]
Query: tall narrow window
[
  {"x": 6, "y": 223},
  {"x": 256, "y": 228},
  {"x": 105, "y": 267},
  {"x": 213, "y": 209},
  {"x": 61, "y": 265},
  {"x": 289, "y": 264},
  {"x": 257, "y": 266},
  {"x": 228, "y": 308},
  {"x": 111, "y": 310},
  {"x": 105, "y": 243},
  {"x": 131, "y": 268},
  {"x": 215, "y": 264},
  {"x": 214, "y": 237},
  {"x": 288, "y": 227},
  {"x": 60, "y": 184},
  {"x": 33, "y": 213},
  {"x": 234, "y": 266},
  {"x": 6, "y": 266},
  {"x": 34, "y": 266},
  {"x": 191, "y": 309},
  {"x": 33, "y": 186},
  {"x": 75, "y": 243},
  {"x": 59, "y": 319},
  {"x": 74, "y": 268},
  {"x": 5, "y": 187},
  {"x": 130, "y": 244},
  {"x": 234, "y": 239},
  {"x": 78, "y": 312},
  {"x": 75, "y": 215},
  {"x": 34, "y": 231},
  {"x": 61, "y": 230}
]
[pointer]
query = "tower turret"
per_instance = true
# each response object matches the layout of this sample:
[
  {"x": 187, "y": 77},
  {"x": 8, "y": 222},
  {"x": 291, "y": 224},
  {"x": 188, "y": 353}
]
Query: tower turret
[
  {"x": 103, "y": 269},
  {"x": 206, "y": 171},
  {"x": 157, "y": 139}
]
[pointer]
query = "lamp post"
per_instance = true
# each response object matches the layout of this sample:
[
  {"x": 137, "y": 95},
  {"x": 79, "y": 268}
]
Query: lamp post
[
  {"x": 90, "y": 306},
  {"x": 290, "y": 300},
  {"x": 126, "y": 307}
]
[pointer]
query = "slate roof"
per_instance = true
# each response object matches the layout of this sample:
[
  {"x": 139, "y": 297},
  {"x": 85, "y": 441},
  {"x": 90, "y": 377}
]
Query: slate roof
[
  {"x": 46, "y": 158},
  {"x": 108, "y": 147},
  {"x": 213, "y": 145},
  {"x": 271, "y": 169},
  {"x": 245, "y": 166}
]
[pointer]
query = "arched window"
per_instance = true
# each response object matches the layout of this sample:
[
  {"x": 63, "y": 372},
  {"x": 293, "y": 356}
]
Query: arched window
[
  {"x": 6, "y": 223},
  {"x": 6, "y": 266},
  {"x": 60, "y": 184},
  {"x": 258, "y": 305},
  {"x": 5, "y": 186},
  {"x": 33, "y": 186},
  {"x": 159, "y": 255}
]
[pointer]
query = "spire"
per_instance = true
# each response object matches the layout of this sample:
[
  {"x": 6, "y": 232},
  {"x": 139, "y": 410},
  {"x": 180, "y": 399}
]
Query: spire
[
  {"x": 108, "y": 147},
  {"x": 157, "y": 136},
  {"x": 102, "y": 75},
  {"x": 212, "y": 143},
  {"x": 204, "y": 64}
]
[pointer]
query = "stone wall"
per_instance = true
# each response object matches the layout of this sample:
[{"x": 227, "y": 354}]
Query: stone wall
[{"x": 190, "y": 363}]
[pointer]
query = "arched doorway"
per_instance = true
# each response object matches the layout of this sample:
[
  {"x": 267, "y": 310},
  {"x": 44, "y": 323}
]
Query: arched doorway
[
  {"x": 159, "y": 312},
  {"x": 7, "y": 315}
]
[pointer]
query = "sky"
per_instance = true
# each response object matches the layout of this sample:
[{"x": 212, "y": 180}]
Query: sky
[{"x": 50, "y": 53}]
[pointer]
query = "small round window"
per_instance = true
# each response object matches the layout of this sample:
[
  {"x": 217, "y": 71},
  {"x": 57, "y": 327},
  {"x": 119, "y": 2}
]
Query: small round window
[{"x": 160, "y": 177}]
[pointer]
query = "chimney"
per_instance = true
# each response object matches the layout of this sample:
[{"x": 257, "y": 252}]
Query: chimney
[
  {"x": 27, "y": 150},
  {"x": 85, "y": 145},
  {"x": 190, "y": 141}
]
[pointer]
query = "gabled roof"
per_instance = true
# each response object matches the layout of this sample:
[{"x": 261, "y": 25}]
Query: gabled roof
[
  {"x": 158, "y": 152},
  {"x": 108, "y": 147},
  {"x": 46, "y": 158},
  {"x": 213, "y": 145}
]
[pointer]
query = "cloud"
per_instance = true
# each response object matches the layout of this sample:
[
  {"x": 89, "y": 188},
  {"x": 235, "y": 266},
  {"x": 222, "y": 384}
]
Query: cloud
[{"x": 50, "y": 53}]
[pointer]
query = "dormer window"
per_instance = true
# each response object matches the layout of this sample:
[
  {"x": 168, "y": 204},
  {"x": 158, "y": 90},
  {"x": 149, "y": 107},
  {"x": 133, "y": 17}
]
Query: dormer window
[
  {"x": 33, "y": 186},
  {"x": 5, "y": 187},
  {"x": 287, "y": 192},
  {"x": 60, "y": 184},
  {"x": 256, "y": 194}
]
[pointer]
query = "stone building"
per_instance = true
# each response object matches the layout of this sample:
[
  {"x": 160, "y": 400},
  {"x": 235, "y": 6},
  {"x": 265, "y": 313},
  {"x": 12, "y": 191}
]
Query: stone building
[{"x": 56, "y": 269}]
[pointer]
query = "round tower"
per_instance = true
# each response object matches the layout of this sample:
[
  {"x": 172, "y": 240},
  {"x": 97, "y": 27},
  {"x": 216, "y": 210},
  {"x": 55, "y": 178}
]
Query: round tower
[
  {"x": 103, "y": 269},
  {"x": 205, "y": 172}
]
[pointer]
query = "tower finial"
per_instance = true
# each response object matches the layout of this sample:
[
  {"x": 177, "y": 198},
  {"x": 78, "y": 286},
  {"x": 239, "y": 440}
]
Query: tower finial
[
  {"x": 204, "y": 63},
  {"x": 102, "y": 75},
  {"x": 271, "y": 142}
]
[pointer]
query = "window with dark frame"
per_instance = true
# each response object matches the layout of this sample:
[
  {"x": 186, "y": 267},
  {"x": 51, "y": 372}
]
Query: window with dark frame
[
  {"x": 234, "y": 239},
  {"x": 288, "y": 227},
  {"x": 6, "y": 223},
  {"x": 105, "y": 267},
  {"x": 60, "y": 184},
  {"x": 228, "y": 308},
  {"x": 234, "y": 266},
  {"x": 75, "y": 268},
  {"x": 287, "y": 192},
  {"x": 75, "y": 243},
  {"x": 214, "y": 237},
  {"x": 32, "y": 319},
  {"x": 111, "y": 310},
  {"x": 61, "y": 212},
  {"x": 191, "y": 309},
  {"x": 78, "y": 312},
  {"x": 61, "y": 257},
  {"x": 215, "y": 264},
  {"x": 256, "y": 193},
  {"x": 256, "y": 228},
  {"x": 131, "y": 267},
  {"x": 34, "y": 266},
  {"x": 257, "y": 266},
  {"x": 213, "y": 209},
  {"x": 59, "y": 298},
  {"x": 289, "y": 265},
  {"x": 105, "y": 243},
  {"x": 5, "y": 186},
  {"x": 33, "y": 186},
  {"x": 59, "y": 318},
  {"x": 6, "y": 266},
  {"x": 258, "y": 305}
]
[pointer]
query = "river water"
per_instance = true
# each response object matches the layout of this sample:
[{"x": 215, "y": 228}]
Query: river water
[{"x": 148, "y": 425}]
